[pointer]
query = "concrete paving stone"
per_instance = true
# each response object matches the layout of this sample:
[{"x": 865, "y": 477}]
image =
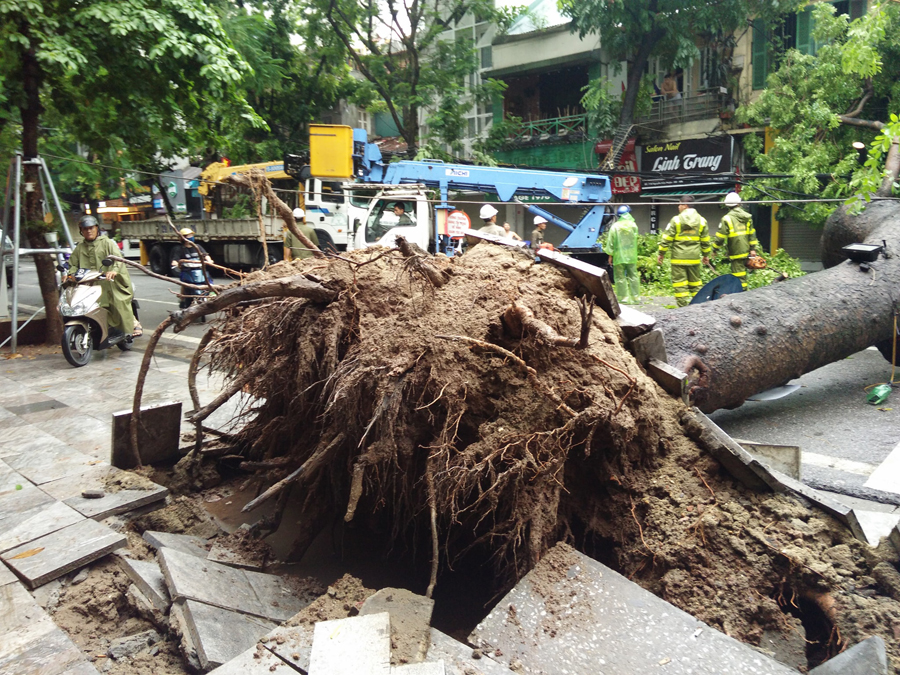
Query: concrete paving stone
[
  {"x": 887, "y": 476},
  {"x": 226, "y": 587},
  {"x": 6, "y": 575},
  {"x": 432, "y": 668},
  {"x": 159, "y": 435},
  {"x": 81, "y": 668},
  {"x": 410, "y": 621},
  {"x": 79, "y": 427},
  {"x": 257, "y": 660},
  {"x": 178, "y": 628},
  {"x": 359, "y": 645},
  {"x": 149, "y": 579},
  {"x": 293, "y": 644},
  {"x": 868, "y": 657},
  {"x": 30, "y": 643},
  {"x": 274, "y": 596},
  {"x": 220, "y": 634},
  {"x": 457, "y": 657},
  {"x": 17, "y": 395},
  {"x": 184, "y": 543},
  {"x": 15, "y": 434},
  {"x": 35, "y": 523},
  {"x": 876, "y": 524},
  {"x": 572, "y": 614},
  {"x": 63, "y": 551},
  {"x": 44, "y": 461},
  {"x": 9, "y": 479},
  {"x": 13, "y": 502},
  {"x": 48, "y": 419},
  {"x": 35, "y": 407},
  {"x": 123, "y": 491}
]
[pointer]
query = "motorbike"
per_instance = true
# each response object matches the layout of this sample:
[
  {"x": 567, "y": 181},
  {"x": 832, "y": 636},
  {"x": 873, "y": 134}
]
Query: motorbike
[{"x": 86, "y": 324}]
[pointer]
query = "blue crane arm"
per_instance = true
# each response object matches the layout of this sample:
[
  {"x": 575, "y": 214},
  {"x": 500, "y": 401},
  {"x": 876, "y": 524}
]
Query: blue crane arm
[{"x": 508, "y": 184}]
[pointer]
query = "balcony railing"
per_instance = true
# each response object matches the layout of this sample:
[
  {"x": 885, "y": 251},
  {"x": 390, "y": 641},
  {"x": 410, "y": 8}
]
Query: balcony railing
[
  {"x": 698, "y": 106},
  {"x": 554, "y": 128}
]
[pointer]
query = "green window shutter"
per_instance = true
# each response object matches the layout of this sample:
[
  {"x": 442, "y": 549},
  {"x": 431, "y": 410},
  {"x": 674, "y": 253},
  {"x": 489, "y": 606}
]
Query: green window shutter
[
  {"x": 497, "y": 102},
  {"x": 805, "y": 22},
  {"x": 759, "y": 55}
]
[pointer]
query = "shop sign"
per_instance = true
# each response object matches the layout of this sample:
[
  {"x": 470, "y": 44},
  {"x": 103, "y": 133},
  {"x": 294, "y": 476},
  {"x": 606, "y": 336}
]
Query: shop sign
[
  {"x": 696, "y": 156},
  {"x": 622, "y": 185}
]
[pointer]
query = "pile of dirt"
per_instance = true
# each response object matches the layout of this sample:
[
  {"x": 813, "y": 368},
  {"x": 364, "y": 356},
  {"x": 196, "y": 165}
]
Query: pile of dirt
[{"x": 418, "y": 403}]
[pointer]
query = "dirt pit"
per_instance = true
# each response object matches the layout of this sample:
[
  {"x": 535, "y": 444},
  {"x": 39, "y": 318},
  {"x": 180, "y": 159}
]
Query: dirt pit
[{"x": 423, "y": 403}]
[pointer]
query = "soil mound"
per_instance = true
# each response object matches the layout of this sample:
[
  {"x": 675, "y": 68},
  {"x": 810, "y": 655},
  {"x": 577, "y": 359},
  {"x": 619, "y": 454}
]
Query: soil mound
[{"x": 435, "y": 399}]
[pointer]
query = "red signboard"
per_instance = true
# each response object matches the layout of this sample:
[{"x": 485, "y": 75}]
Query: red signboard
[
  {"x": 457, "y": 224},
  {"x": 628, "y": 162}
]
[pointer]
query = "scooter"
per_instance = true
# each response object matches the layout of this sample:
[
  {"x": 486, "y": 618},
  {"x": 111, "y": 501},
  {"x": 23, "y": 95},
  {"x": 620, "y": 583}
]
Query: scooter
[{"x": 86, "y": 324}]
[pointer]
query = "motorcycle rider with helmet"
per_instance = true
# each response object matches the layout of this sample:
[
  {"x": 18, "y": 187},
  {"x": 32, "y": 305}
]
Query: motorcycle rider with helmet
[
  {"x": 186, "y": 259},
  {"x": 117, "y": 293}
]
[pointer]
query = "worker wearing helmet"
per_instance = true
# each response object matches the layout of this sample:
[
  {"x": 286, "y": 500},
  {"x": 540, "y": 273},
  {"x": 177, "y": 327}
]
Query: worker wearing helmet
[
  {"x": 116, "y": 294},
  {"x": 537, "y": 234},
  {"x": 186, "y": 260},
  {"x": 489, "y": 215},
  {"x": 737, "y": 235},
  {"x": 687, "y": 235},
  {"x": 621, "y": 245},
  {"x": 293, "y": 247}
]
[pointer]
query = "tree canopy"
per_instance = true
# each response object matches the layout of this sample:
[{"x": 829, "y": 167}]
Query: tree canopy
[
  {"x": 818, "y": 105},
  {"x": 397, "y": 48}
]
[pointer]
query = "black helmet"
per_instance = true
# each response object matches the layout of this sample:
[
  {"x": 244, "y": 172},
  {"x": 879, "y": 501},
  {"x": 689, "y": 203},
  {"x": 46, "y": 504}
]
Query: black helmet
[{"x": 87, "y": 221}]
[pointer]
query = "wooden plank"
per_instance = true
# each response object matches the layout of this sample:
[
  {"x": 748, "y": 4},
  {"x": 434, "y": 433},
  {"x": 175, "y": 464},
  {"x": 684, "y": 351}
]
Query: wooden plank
[{"x": 70, "y": 548}]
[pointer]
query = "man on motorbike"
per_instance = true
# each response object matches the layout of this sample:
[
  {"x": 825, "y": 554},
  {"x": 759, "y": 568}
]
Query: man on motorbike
[
  {"x": 117, "y": 292},
  {"x": 186, "y": 259}
]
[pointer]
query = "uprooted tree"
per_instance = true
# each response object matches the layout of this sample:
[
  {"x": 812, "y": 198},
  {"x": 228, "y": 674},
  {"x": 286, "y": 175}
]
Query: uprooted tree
[{"x": 479, "y": 407}]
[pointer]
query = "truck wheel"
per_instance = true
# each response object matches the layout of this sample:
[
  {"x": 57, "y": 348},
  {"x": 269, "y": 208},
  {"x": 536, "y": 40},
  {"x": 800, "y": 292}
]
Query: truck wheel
[
  {"x": 159, "y": 259},
  {"x": 326, "y": 243}
]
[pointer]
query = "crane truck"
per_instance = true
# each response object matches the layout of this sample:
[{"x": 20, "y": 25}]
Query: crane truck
[{"x": 342, "y": 152}]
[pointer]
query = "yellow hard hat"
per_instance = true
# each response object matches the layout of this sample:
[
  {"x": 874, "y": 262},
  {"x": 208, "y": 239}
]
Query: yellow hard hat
[{"x": 185, "y": 232}]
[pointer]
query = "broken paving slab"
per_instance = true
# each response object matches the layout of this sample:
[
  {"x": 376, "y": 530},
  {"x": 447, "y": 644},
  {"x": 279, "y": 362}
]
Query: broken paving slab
[
  {"x": 868, "y": 657},
  {"x": 221, "y": 553},
  {"x": 149, "y": 580},
  {"x": 254, "y": 593},
  {"x": 573, "y": 614},
  {"x": 457, "y": 657},
  {"x": 359, "y": 645},
  {"x": 36, "y": 523},
  {"x": 876, "y": 524},
  {"x": 410, "y": 622},
  {"x": 257, "y": 660},
  {"x": 122, "y": 491},
  {"x": 783, "y": 458},
  {"x": 432, "y": 668},
  {"x": 184, "y": 543},
  {"x": 634, "y": 323},
  {"x": 29, "y": 640},
  {"x": 49, "y": 462},
  {"x": 63, "y": 551},
  {"x": 159, "y": 435},
  {"x": 594, "y": 279},
  {"x": 220, "y": 635}
]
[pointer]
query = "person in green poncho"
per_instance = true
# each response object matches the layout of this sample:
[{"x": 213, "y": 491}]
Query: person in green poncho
[
  {"x": 737, "y": 236},
  {"x": 621, "y": 245},
  {"x": 117, "y": 293}
]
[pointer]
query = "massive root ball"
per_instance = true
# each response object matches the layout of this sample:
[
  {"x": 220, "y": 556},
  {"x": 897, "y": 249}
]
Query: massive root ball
[
  {"x": 480, "y": 416},
  {"x": 404, "y": 396}
]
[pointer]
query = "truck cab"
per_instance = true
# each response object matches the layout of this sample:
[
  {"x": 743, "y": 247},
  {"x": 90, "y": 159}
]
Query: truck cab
[
  {"x": 382, "y": 221},
  {"x": 328, "y": 209}
]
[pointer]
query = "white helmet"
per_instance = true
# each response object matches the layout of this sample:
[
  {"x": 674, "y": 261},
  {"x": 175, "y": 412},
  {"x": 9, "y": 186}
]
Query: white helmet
[
  {"x": 487, "y": 212},
  {"x": 732, "y": 199},
  {"x": 539, "y": 219},
  {"x": 299, "y": 213}
]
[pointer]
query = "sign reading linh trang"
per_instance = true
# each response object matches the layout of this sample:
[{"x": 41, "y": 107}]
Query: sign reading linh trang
[{"x": 705, "y": 155}]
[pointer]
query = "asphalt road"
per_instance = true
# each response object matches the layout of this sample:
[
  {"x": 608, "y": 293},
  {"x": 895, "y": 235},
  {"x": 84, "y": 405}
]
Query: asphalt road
[{"x": 843, "y": 438}]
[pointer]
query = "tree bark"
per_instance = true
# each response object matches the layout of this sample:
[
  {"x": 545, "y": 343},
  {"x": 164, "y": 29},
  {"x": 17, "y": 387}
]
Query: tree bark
[
  {"x": 740, "y": 345},
  {"x": 33, "y": 226}
]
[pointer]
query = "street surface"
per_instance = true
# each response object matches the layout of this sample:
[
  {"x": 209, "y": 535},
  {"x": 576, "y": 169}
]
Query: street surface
[{"x": 843, "y": 438}]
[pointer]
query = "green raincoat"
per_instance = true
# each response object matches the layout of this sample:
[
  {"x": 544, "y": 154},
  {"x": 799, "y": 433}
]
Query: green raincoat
[
  {"x": 116, "y": 296},
  {"x": 621, "y": 244},
  {"x": 737, "y": 235}
]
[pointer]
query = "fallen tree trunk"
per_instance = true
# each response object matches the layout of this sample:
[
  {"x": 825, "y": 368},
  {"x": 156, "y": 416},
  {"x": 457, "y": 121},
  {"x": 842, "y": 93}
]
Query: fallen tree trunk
[{"x": 749, "y": 342}]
